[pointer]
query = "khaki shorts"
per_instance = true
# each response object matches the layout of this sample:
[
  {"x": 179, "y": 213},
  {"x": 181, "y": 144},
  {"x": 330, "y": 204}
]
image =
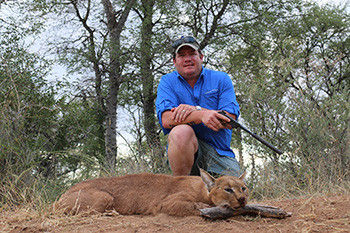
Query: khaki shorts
[{"x": 208, "y": 159}]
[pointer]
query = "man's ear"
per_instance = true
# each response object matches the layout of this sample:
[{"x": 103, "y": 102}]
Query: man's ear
[{"x": 201, "y": 56}]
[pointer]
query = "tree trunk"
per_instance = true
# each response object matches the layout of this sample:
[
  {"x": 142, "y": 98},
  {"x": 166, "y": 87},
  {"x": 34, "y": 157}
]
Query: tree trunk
[
  {"x": 240, "y": 148},
  {"x": 148, "y": 94},
  {"x": 115, "y": 77}
]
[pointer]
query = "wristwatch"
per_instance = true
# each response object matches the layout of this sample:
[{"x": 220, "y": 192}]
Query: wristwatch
[{"x": 198, "y": 108}]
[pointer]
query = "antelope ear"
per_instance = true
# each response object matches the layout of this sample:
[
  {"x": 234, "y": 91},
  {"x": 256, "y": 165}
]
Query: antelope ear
[
  {"x": 208, "y": 180},
  {"x": 243, "y": 175}
]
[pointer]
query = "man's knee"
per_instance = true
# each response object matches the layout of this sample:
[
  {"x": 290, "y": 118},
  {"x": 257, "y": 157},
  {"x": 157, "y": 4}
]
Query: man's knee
[{"x": 183, "y": 136}]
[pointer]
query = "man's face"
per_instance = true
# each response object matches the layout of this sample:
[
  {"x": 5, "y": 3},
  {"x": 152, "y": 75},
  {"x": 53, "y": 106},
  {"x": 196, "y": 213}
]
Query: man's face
[{"x": 188, "y": 62}]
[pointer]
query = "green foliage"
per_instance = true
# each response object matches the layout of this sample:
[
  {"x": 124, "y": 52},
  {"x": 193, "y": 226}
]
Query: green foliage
[
  {"x": 39, "y": 147},
  {"x": 294, "y": 91}
]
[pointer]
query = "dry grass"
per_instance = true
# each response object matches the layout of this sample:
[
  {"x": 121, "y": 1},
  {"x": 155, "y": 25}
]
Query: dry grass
[
  {"x": 270, "y": 182},
  {"x": 310, "y": 214}
]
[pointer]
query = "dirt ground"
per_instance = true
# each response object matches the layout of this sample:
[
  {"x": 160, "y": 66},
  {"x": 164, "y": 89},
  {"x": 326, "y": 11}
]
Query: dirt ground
[{"x": 312, "y": 214}]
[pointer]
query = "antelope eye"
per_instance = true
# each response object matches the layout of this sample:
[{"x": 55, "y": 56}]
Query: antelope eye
[
  {"x": 243, "y": 189},
  {"x": 229, "y": 190}
]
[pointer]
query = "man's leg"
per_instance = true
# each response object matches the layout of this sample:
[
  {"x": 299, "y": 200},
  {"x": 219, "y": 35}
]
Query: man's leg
[
  {"x": 215, "y": 163},
  {"x": 182, "y": 145}
]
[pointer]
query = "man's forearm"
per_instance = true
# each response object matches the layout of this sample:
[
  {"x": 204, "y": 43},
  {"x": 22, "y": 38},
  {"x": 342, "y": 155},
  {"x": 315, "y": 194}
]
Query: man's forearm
[{"x": 192, "y": 119}]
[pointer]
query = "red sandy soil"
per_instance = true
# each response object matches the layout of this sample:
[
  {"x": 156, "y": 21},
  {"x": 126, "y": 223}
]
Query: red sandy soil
[{"x": 311, "y": 214}]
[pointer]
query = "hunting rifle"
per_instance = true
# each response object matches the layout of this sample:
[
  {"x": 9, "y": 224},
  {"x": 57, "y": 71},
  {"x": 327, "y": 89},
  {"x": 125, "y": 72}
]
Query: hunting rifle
[{"x": 235, "y": 124}]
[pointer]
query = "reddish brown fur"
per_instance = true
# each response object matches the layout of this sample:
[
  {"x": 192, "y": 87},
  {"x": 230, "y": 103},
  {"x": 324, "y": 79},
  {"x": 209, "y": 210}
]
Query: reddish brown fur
[{"x": 151, "y": 193}]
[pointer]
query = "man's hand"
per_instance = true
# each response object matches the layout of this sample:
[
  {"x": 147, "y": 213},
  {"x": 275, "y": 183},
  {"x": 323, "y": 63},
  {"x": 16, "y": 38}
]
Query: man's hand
[
  {"x": 181, "y": 112},
  {"x": 215, "y": 121}
]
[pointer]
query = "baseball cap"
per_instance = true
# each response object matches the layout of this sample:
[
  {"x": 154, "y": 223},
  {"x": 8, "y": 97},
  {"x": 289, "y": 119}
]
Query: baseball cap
[{"x": 185, "y": 41}]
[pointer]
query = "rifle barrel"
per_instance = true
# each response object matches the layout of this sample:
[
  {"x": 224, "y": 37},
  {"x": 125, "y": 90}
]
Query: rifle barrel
[
  {"x": 266, "y": 143},
  {"x": 235, "y": 124}
]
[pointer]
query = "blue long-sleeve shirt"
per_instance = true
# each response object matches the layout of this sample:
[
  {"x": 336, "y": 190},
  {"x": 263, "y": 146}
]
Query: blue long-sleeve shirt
[{"x": 213, "y": 90}]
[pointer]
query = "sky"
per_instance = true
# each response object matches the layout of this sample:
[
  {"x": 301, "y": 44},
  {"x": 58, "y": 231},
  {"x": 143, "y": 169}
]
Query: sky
[{"x": 335, "y": 2}]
